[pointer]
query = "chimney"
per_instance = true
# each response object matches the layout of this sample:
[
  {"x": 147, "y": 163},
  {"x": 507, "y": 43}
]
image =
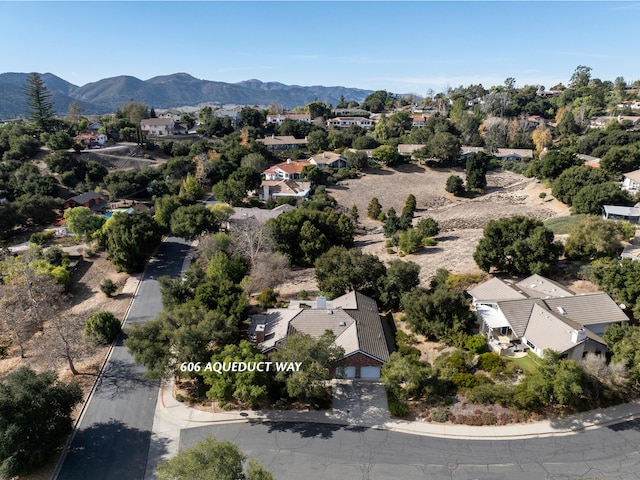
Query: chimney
[
  {"x": 578, "y": 336},
  {"x": 321, "y": 302},
  {"x": 288, "y": 161},
  {"x": 259, "y": 333}
]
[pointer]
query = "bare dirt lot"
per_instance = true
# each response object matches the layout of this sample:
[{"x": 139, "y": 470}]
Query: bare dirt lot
[
  {"x": 461, "y": 220},
  {"x": 123, "y": 156}
]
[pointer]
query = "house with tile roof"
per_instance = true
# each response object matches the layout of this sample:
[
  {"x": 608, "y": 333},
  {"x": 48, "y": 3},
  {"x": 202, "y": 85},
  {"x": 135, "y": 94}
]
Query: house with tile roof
[
  {"x": 366, "y": 336},
  {"x": 288, "y": 170},
  {"x": 346, "y": 122},
  {"x": 539, "y": 314}
]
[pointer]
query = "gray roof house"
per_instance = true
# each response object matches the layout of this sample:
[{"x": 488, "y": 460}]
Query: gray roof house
[
  {"x": 366, "y": 337},
  {"x": 539, "y": 314}
]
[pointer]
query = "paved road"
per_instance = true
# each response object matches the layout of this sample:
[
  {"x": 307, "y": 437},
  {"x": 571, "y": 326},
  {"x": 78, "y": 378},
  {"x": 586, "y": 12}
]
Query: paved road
[
  {"x": 292, "y": 451},
  {"x": 114, "y": 435}
]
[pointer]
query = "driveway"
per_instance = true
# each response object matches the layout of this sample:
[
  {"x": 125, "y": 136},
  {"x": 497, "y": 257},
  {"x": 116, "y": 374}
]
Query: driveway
[{"x": 360, "y": 402}]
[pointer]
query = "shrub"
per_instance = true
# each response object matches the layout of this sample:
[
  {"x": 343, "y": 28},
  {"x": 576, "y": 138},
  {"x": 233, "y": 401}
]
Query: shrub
[
  {"x": 476, "y": 343},
  {"x": 440, "y": 414},
  {"x": 455, "y": 185},
  {"x": 267, "y": 298},
  {"x": 108, "y": 287},
  {"x": 41, "y": 238},
  {"x": 487, "y": 394},
  {"x": 429, "y": 242},
  {"x": 397, "y": 408},
  {"x": 55, "y": 256},
  {"x": 102, "y": 328},
  {"x": 489, "y": 361},
  {"x": 543, "y": 195}
]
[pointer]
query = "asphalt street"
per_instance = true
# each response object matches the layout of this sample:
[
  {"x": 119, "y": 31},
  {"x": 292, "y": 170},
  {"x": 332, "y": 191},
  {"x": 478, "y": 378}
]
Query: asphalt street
[
  {"x": 311, "y": 451},
  {"x": 113, "y": 438}
]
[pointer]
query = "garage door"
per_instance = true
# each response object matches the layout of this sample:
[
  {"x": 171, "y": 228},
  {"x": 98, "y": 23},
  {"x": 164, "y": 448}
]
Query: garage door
[
  {"x": 370, "y": 372},
  {"x": 349, "y": 372}
]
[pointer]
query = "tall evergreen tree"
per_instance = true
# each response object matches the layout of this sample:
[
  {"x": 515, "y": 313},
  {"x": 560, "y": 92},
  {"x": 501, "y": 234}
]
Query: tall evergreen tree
[{"x": 40, "y": 107}]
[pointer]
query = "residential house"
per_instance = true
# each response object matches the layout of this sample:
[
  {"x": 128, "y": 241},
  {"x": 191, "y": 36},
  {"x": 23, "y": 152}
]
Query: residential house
[
  {"x": 616, "y": 212},
  {"x": 631, "y": 180},
  {"x": 538, "y": 314},
  {"x": 329, "y": 159},
  {"x": 408, "y": 149},
  {"x": 366, "y": 337},
  {"x": 175, "y": 115},
  {"x": 260, "y": 215},
  {"x": 157, "y": 126},
  {"x": 91, "y": 140},
  {"x": 589, "y": 161},
  {"x": 288, "y": 170},
  {"x": 346, "y": 122},
  {"x": 298, "y": 117},
  {"x": 91, "y": 200},
  {"x": 631, "y": 104},
  {"x": 419, "y": 120},
  {"x": 283, "y": 142},
  {"x": 275, "y": 189},
  {"x": 513, "y": 154},
  {"x": 467, "y": 151},
  {"x": 599, "y": 122},
  {"x": 94, "y": 127},
  {"x": 349, "y": 112}
]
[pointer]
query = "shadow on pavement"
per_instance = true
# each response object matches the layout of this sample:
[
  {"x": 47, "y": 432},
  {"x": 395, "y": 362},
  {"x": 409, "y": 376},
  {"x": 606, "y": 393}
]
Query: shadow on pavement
[
  {"x": 110, "y": 450},
  {"x": 309, "y": 430}
]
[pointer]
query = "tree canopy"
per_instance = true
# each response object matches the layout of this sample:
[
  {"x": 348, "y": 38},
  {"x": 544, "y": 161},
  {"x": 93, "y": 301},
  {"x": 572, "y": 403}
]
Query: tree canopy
[
  {"x": 518, "y": 245},
  {"x": 35, "y": 417}
]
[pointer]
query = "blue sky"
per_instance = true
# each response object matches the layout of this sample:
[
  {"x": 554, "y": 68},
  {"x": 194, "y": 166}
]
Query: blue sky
[{"x": 402, "y": 47}]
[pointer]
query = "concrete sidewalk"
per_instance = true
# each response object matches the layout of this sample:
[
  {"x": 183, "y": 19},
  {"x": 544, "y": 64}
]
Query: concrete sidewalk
[{"x": 172, "y": 416}]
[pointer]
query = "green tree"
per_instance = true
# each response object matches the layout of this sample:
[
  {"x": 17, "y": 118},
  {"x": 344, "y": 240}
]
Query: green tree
[
  {"x": 102, "y": 328},
  {"x": 319, "y": 358},
  {"x": 164, "y": 208},
  {"x": 621, "y": 159},
  {"x": 248, "y": 387},
  {"x": 376, "y": 102},
  {"x": 340, "y": 270},
  {"x": 192, "y": 221},
  {"x": 455, "y": 185},
  {"x": 211, "y": 459},
  {"x": 36, "y": 417},
  {"x": 130, "y": 239},
  {"x": 385, "y": 154},
  {"x": 40, "y": 107},
  {"x": 405, "y": 375},
  {"x": 572, "y": 180},
  {"x": 82, "y": 221},
  {"x": 477, "y": 167},
  {"x": 187, "y": 333},
  {"x": 444, "y": 146},
  {"x": 593, "y": 238},
  {"x": 191, "y": 190},
  {"x": 410, "y": 241},
  {"x": 624, "y": 341},
  {"x": 518, "y": 245},
  {"x": 428, "y": 227},
  {"x": 591, "y": 198},
  {"x": 580, "y": 77},
  {"x": 317, "y": 141},
  {"x": 317, "y": 109},
  {"x": 437, "y": 313},
  {"x": 400, "y": 278},
  {"x": 374, "y": 209}
]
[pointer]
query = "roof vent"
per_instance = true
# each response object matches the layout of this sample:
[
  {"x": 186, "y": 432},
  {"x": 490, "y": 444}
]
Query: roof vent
[
  {"x": 329, "y": 312},
  {"x": 562, "y": 310},
  {"x": 342, "y": 324}
]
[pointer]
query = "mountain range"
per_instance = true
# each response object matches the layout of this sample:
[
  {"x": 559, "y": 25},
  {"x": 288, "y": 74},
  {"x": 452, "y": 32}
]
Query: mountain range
[{"x": 166, "y": 91}]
